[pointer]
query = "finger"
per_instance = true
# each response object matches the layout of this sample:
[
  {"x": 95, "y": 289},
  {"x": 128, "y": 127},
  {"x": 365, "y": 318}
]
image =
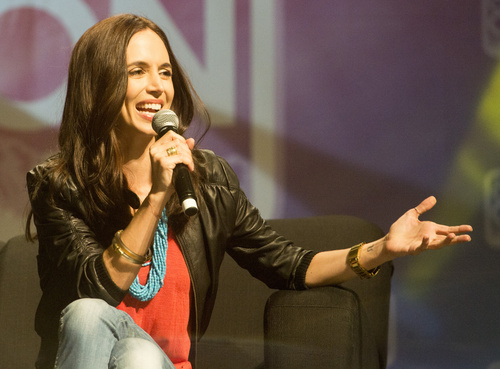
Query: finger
[
  {"x": 190, "y": 142},
  {"x": 464, "y": 228},
  {"x": 425, "y": 205},
  {"x": 187, "y": 159},
  {"x": 443, "y": 230},
  {"x": 182, "y": 155},
  {"x": 171, "y": 154},
  {"x": 167, "y": 145},
  {"x": 170, "y": 136},
  {"x": 164, "y": 143},
  {"x": 454, "y": 238},
  {"x": 450, "y": 239},
  {"x": 425, "y": 241},
  {"x": 172, "y": 150},
  {"x": 182, "y": 144},
  {"x": 462, "y": 238}
]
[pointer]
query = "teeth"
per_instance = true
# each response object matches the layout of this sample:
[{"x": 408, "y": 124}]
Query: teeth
[{"x": 155, "y": 107}]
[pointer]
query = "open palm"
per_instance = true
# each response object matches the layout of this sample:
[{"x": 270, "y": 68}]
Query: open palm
[{"x": 410, "y": 236}]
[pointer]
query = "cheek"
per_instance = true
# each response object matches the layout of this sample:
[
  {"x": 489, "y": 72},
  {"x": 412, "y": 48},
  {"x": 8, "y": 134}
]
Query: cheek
[
  {"x": 127, "y": 107},
  {"x": 132, "y": 90},
  {"x": 169, "y": 90},
  {"x": 125, "y": 116},
  {"x": 128, "y": 103}
]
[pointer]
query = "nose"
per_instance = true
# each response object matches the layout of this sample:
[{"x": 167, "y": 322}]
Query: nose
[{"x": 155, "y": 84}]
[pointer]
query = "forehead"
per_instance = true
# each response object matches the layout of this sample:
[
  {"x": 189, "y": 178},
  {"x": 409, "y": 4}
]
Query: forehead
[{"x": 146, "y": 45}]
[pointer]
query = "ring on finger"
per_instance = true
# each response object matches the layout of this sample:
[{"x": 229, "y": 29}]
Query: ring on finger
[{"x": 172, "y": 151}]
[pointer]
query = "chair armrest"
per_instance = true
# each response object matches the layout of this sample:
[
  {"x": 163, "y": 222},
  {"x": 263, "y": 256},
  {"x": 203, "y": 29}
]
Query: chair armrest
[
  {"x": 20, "y": 293},
  {"x": 320, "y": 328},
  {"x": 373, "y": 295}
]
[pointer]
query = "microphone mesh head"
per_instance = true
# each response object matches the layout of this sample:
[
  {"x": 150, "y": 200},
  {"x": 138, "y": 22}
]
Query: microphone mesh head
[{"x": 165, "y": 119}]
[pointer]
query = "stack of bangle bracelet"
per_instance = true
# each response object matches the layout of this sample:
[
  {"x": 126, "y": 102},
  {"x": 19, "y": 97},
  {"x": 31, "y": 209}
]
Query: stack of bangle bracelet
[{"x": 128, "y": 254}]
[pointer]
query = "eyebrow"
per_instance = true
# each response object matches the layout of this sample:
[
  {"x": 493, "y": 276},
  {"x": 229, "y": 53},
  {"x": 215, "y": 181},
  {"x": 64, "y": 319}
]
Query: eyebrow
[{"x": 144, "y": 64}]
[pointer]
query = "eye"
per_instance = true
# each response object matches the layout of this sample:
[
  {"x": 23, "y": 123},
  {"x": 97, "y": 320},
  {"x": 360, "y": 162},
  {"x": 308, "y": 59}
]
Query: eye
[
  {"x": 166, "y": 73},
  {"x": 135, "y": 72}
]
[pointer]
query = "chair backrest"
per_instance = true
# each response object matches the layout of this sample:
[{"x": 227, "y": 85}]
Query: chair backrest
[{"x": 19, "y": 296}]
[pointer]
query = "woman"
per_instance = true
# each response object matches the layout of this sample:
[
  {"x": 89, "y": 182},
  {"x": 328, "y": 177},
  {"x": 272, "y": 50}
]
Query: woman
[{"x": 105, "y": 205}]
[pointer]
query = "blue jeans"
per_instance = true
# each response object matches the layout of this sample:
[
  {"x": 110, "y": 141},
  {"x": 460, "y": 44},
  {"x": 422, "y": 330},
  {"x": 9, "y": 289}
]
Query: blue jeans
[{"x": 93, "y": 334}]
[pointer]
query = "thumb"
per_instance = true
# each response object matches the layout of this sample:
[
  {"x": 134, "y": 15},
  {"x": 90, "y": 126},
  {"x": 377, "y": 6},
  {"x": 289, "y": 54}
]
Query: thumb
[{"x": 425, "y": 205}]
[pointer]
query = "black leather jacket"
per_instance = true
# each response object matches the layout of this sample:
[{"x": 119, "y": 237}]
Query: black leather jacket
[{"x": 70, "y": 260}]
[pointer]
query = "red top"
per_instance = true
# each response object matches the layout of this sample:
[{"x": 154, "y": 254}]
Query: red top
[{"x": 166, "y": 316}]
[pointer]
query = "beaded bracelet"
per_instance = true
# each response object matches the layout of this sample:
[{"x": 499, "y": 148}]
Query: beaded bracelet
[{"x": 128, "y": 254}]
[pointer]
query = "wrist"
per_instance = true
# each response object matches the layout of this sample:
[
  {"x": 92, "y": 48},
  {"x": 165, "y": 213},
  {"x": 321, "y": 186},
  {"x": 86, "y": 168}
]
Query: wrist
[
  {"x": 155, "y": 203},
  {"x": 354, "y": 261},
  {"x": 385, "y": 252},
  {"x": 375, "y": 253}
]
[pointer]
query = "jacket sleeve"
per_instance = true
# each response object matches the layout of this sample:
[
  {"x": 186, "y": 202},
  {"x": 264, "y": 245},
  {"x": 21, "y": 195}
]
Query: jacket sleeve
[
  {"x": 70, "y": 258},
  {"x": 255, "y": 246}
]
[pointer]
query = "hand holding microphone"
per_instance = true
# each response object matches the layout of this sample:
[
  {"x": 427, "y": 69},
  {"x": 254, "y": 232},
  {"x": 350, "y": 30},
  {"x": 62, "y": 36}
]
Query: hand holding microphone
[{"x": 164, "y": 121}]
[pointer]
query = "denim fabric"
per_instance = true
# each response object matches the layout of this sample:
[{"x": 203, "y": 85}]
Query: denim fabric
[{"x": 95, "y": 335}]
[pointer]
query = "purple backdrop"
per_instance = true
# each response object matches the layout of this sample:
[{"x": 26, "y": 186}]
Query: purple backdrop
[{"x": 335, "y": 106}]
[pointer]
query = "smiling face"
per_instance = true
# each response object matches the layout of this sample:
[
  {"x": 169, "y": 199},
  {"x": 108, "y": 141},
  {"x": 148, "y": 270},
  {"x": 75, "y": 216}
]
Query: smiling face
[{"x": 150, "y": 86}]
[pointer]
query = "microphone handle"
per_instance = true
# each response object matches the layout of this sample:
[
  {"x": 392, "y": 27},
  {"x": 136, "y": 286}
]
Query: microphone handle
[{"x": 185, "y": 191}]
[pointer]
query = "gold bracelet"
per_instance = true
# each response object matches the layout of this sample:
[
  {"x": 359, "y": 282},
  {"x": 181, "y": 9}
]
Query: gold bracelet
[
  {"x": 128, "y": 254},
  {"x": 353, "y": 261}
]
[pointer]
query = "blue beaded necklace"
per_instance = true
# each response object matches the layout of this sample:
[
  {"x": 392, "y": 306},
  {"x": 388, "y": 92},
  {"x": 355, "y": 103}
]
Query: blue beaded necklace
[{"x": 158, "y": 265}]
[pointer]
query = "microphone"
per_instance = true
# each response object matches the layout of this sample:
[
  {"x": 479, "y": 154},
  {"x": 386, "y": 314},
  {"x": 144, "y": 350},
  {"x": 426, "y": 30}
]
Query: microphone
[{"x": 164, "y": 121}]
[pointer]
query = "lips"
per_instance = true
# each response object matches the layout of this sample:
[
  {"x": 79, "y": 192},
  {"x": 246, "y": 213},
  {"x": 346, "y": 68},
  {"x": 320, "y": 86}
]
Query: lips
[
  {"x": 148, "y": 107},
  {"x": 148, "y": 110}
]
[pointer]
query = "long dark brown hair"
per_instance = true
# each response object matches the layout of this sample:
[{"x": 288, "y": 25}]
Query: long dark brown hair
[{"x": 97, "y": 83}]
